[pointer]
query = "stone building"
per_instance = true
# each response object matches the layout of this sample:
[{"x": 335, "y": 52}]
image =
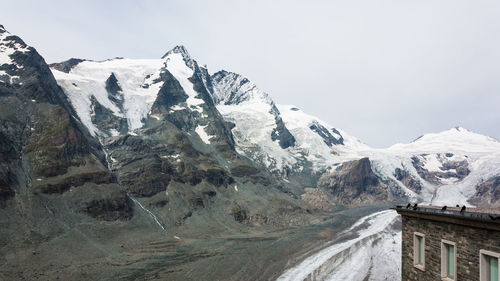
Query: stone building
[{"x": 450, "y": 243}]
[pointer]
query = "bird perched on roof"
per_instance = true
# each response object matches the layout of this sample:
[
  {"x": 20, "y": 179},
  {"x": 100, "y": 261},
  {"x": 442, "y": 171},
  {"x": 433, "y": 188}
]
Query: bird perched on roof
[
  {"x": 408, "y": 206},
  {"x": 462, "y": 210},
  {"x": 444, "y": 208},
  {"x": 458, "y": 206},
  {"x": 415, "y": 206}
]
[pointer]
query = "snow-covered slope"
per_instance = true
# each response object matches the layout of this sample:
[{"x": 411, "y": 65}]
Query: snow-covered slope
[
  {"x": 317, "y": 141},
  {"x": 136, "y": 78},
  {"x": 281, "y": 138},
  {"x": 127, "y": 89},
  {"x": 439, "y": 168},
  {"x": 255, "y": 117},
  {"x": 452, "y": 163},
  {"x": 436, "y": 168}
]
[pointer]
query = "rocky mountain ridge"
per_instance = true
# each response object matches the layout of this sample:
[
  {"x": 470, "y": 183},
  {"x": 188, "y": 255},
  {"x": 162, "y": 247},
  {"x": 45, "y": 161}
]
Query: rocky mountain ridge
[{"x": 128, "y": 151}]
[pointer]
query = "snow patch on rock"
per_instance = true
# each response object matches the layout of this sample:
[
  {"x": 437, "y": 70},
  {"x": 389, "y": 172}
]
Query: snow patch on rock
[{"x": 200, "y": 130}]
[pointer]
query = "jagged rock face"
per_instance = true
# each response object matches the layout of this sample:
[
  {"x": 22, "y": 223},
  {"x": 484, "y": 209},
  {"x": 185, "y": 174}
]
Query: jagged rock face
[
  {"x": 408, "y": 180},
  {"x": 8, "y": 154},
  {"x": 281, "y": 134},
  {"x": 180, "y": 140},
  {"x": 232, "y": 89},
  {"x": 328, "y": 138},
  {"x": 105, "y": 120},
  {"x": 354, "y": 183},
  {"x": 66, "y": 66},
  {"x": 282, "y": 139},
  {"x": 115, "y": 92},
  {"x": 258, "y": 127},
  {"x": 441, "y": 168},
  {"x": 43, "y": 147},
  {"x": 487, "y": 194}
]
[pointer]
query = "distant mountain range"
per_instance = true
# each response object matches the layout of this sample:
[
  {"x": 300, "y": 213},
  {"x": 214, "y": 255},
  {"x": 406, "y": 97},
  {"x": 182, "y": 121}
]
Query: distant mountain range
[
  {"x": 120, "y": 106},
  {"x": 164, "y": 143}
]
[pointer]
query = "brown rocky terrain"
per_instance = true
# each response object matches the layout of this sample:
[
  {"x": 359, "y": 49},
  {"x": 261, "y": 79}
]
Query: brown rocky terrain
[
  {"x": 355, "y": 183},
  {"x": 487, "y": 194}
]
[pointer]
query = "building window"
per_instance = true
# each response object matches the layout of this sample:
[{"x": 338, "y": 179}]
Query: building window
[
  {"x": 419, "y": 250},
  {"x": 488, "y": 264},
  {"x": 448, "y": 260}
]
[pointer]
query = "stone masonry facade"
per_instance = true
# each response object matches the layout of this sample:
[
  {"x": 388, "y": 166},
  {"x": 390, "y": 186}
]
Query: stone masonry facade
[{"x": 469, "y": 239}]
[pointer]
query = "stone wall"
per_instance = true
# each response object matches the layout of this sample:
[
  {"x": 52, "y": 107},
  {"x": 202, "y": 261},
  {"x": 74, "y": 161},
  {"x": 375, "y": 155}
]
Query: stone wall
[{"x": 469, "y": 240}]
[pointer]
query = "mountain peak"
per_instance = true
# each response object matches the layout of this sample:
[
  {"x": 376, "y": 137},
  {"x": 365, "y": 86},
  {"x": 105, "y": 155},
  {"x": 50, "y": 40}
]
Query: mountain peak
[
  {"x": 11, "y": 47},
  {"x": 461, "y": 129},
  {"x": 233, "y": 88},
  {"x": 179, "y": 49},
  {"x": 457, "y": 138}
]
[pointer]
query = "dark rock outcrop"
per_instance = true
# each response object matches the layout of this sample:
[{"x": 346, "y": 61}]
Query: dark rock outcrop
[
  {"x": 408, "y": 180},
  {"x": 239, "y": 214},
  {"x": 5, "y": 194},
  {"x": 354, "y": 183},
  {"x": 41, "y": 137},
  {"x": 487, "y": 194},
  {"x": 327, "y": 137},
  {"x": 116, "y": 206},
  {"x": 99, "y": 177},
  {"x": 66, "y": 66},
  {"x": 114, "y": 90},
  {"x": 244, "y": 171},
  {"x": 105, "y": 120},
  {"x": 147, "y": 178},
  {"x": 281, "y": 134}
]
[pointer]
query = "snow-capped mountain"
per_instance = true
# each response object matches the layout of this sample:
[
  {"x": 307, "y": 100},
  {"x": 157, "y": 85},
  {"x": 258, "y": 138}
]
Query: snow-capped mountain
[
  {"x": 142, "y": 151},
  {"x": 226, "y": 115},
  {"x": 450, "y": 162},
  {"x": 281, "y": 138},
  {"x": 128, "y": 89},
  {"x": 440, "y": 168},
  {"x": 10, "y": 47},
  {"x": 120, "y": 96}
]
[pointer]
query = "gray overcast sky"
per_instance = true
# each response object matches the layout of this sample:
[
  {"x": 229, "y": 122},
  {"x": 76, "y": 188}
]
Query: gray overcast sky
[{"x": 385, "y": 71}]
